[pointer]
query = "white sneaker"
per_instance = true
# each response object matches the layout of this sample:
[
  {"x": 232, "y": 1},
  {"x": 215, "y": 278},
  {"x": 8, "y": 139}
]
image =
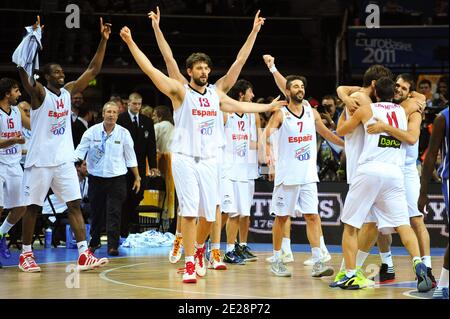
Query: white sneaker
[
  {"x": 326, "y": 257},
  {"x": 215, "y": 262},
  {"x": 321, "y": 270},
  {"x": 189, "y": 275},
  {"x": 200, "y": 261},
  {"x": 285, "y": 258},
  {"x": 279, "y": 269},
  {"x": 176, "y": 251}
]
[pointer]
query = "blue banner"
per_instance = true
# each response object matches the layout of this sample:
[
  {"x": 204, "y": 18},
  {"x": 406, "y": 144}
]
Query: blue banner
[{"x": 402, "y": 49}]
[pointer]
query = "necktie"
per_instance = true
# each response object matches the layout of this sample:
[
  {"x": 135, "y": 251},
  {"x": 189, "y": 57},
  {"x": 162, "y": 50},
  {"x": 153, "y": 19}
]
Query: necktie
[{"x": 135, "y": 125}]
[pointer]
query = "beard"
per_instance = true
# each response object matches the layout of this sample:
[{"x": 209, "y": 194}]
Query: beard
[
  {"x": 199, "y": 81},
  {"x": 296, "y": 99}
]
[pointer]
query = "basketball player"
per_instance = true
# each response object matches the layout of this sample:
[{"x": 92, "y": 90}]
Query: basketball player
[
  {"x": 379, "y": 180},
  {"x": 49, "y": 161},
  {"x": 295, "y": 187},
  {"x": 224, "y": 84},
  {"x": 12, "y": 121},
  {"x": 194, "y": 147},
  {"x": 239, "y": 171},
  {"x": 311, "y": 219},
  {"x": 404, "y": 90},
  {"x": 439, "y": 138}
]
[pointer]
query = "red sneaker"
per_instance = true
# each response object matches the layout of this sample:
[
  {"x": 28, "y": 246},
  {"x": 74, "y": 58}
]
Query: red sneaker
[
  {"x": 88, "y": 261},
  {"x": 27, "y": 263},
  {"x": 189, "y": 275}
]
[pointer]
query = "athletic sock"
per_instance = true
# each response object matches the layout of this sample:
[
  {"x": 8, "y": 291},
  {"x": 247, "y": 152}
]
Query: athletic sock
[
  {"x": 427, "y": 261},
  {"x": 189, "y": 259},
  {"x": 350, "y": 273},
  {"x": 361, "y": 257},
  {"x": 4, "y": 229},
  {"x": 230, "y": 247},
  {"x": 322, "y": 245},
  {"x": 276, "y": 255},
  {"x": 215, "y": 246},
  {"x": 179, "y": 235},
  {"x": 286, "y": 245},
  {"x": 82, "y": 247},
  {"x": 26, "y": 249},
  {"x": 316, "y": 254},
  {"x": 386, "y": 258},
  {"x": 243, "y": 244}
]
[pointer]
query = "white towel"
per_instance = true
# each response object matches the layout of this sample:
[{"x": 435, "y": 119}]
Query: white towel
[{"x": 26, "y": 54}]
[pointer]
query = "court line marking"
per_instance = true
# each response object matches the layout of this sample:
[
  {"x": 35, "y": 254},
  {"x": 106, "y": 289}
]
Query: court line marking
[
  {"x": 103, "y": 275},
  {"x": 408, "y": 294}
]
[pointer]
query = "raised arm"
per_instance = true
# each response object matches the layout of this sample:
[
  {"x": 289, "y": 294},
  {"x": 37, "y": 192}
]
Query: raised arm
[
  {"x": 171, "y": 63},
  {"x": 229, "y": 105},
  {"x": 226, "y": 82},
  {"x": 25, "y": 119},
  {"x": 170, "y": 87},
  {"x": 33, "y": 88},
  {"x": 325, "y": 132},
  {"x": 346, "y": 126},
  {"x": 280, "y": 80},
  {"x": 436, "y": 138},
  {"x": 96, "y": 63},
  {"x": 344, "y": 93},
  {"x": 410, "y": 136}
]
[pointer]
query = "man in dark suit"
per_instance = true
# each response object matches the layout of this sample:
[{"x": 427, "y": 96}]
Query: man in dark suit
[
  {"x": 143, "y": 134},
  {"x": 78, "y": 127}
]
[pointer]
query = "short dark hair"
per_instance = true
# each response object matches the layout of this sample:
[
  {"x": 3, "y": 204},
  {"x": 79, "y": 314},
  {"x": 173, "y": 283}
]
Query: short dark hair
[
  {"x": 6, "y": 85},
  {"x": 385, "y": 89},
  {"x": 330, "y": 97},
  {"x": 47, "y": 68},
  {"x": 164, "y": 113},
  {"x": 408, "y": 79},
  {"x": 375, "y": 72},
  {"x": 198, "y": 57},
  {"x": 426, "y": 81},
  {"x": 241, "y": 86},
  {"x": 292, "y": 78}
]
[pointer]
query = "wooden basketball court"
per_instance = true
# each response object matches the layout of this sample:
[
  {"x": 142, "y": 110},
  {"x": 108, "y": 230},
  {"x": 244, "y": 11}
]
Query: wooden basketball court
[{"x": 152, "y": 277}]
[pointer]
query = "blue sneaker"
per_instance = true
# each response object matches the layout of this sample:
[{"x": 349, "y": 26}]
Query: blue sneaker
[
  {"x": 4, "y": 251},
  {"x": 424, "y": 282},
  {"x": 352, "y": 283},
  {"x": 233, "y": 258},
  {"x": 440, "y": 293}
]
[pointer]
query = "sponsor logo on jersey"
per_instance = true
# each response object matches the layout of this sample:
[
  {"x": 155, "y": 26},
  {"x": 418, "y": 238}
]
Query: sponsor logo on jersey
[
  {"x": 58, "y": 128},
  {"x": 206, "y": 128},
  {"x": 388, "y": 141},
  {"x": 203, "y": 113},
  {"x": 299, "y": 139},
  {"x": 241, "y": 149},
  {"x": 303, "y": 153}
]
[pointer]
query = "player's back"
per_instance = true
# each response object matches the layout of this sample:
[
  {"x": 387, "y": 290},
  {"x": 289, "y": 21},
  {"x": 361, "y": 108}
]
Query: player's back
[
  {"x": 382, "y": 154},
  {"x": 443, "y": 169}
]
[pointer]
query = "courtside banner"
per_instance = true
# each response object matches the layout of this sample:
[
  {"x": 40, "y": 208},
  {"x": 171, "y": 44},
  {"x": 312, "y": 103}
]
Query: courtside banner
[
  {"x": 400, "y": 48},
  {"x": 331, "y": 204}
]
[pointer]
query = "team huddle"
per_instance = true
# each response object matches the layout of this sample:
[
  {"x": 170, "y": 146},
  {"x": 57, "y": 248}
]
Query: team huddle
[{"x": 216, "y": 148}]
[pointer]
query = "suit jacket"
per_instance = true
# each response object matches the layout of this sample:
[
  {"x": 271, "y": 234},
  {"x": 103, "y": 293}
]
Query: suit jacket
[
  {"x": 144, "y": 140},
  {"x": 78, "y": 130}
]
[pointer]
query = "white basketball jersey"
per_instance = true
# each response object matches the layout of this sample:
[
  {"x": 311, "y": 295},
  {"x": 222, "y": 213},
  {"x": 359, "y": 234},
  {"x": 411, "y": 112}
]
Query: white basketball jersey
[
  {"x": 383, "y": 149},
  {"x": 197, "y": 124},
  {"x": 236, "y": 161},
  {"x": 412, "y": 153},
  {"x": 253, "y": 172},
  {"x": 51, "y": 142},
  {"x": 10, "y": 127},
  {"x": 354, "y": 143},
  {"x": 297, "y": 149}
]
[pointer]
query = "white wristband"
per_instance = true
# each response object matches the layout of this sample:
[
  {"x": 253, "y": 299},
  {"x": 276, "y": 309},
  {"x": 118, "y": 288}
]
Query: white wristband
[{"x": 273, "y": 69}]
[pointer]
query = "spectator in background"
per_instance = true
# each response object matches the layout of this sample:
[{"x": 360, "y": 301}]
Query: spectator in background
[
  {"x": 143, "y": 134},
  {"x": 147, "y": 110},
  {"x": 163, "y": 119},
  {"x": 441, "y": 96},
  {"x": 109, "y": 149},
  {"x": 118, "y": 100},
  {"x": 424, "y": 88},
  {"x": 329, "y": 111},
  {"x": 78, "y": 127}
]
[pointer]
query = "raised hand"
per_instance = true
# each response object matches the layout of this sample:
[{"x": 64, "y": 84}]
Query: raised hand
[
  {"x": 258, "y": 22},
  {"x": 276, "y": 104},
  {"x": 125, "y": 34},
  {"x": 269, "y": 60},
  {"x": 155, "y": 17},
  {"x": 376, "y": 128},
  {"x": 37, "y": 24},
  {"x": 105, "y": 29}
]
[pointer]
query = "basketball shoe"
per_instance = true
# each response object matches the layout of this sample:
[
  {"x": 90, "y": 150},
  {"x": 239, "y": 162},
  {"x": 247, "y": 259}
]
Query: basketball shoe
[
  {"x": 87, "y": 261},
  {"x": 27, "y": 262}
]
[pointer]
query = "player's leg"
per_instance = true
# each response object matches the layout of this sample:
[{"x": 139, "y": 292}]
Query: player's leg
[
  {"x": 387, "y": 269},
  {"x": 248, "y": 190},
  {"x": 177, "y": 246}
]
